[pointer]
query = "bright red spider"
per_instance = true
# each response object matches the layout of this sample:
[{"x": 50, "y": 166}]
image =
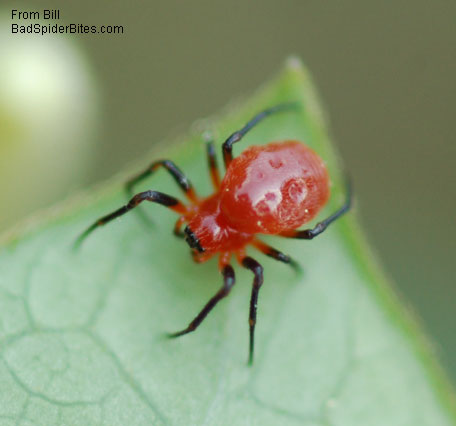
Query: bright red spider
[{"x": 269, "y": 189}]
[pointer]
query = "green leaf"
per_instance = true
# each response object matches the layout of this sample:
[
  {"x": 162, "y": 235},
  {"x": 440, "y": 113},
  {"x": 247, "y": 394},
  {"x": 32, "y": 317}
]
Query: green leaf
[{"x": 81, "y": 332}]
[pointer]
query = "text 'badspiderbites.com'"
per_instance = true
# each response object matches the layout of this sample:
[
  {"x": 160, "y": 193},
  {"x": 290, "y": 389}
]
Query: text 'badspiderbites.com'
[{"x": 54, "y": 28}]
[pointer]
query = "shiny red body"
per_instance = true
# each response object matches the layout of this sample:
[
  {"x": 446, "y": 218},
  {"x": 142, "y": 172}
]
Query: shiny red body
[{"x": 267, "y": 189}]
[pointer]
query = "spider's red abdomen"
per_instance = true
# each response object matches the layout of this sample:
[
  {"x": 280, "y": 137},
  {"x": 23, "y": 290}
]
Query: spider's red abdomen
[{"x": 272, "y": 188}]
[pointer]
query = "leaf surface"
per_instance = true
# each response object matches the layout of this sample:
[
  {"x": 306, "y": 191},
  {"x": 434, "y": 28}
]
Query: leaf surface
[{"x": 81, "y": 332}]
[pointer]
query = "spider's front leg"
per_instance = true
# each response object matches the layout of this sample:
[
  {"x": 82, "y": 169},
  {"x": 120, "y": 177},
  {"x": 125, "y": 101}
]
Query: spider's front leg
[
  {"x": 228, "y": 283},
  {"x": 177, "y": 231},
  {"x": 152, "y": 196},
  {"x": 177, "y": 174}
]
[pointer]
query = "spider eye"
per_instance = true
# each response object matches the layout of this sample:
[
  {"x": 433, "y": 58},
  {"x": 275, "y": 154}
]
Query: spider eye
[{"x": 191, "y": 239}]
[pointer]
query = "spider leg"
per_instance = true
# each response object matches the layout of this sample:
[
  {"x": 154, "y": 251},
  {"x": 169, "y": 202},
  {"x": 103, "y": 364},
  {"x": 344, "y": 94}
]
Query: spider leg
[
  {"x": 228, "y": 282},
  {"x": 276, "y": 254},
  {"x": 308, "y": 234},
  {"x": 227, "y": 147},
  {"x": 153, "y": 196},
  {"x": 177, "y": 227},
  {"x": 212, "y": 161},
  {"x": 257, "y": 270},
  {"x": 200, "y": 257},
  {"x": 174, "y": 171}
]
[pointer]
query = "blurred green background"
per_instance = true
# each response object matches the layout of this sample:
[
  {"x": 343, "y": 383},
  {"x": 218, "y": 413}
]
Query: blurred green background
[{"x": 385, "y": 70}]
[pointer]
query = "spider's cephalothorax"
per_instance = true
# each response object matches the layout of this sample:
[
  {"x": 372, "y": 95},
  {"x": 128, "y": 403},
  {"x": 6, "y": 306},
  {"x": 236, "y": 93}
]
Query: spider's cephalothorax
[{"x": 268, "y": 189}]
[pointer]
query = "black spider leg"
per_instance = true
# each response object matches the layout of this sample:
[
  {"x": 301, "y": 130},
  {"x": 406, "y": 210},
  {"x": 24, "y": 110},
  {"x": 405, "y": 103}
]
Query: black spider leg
[
  {"x": 228, "y": 282},
  {"x": 215, "y": 178},
  {"x": 153, "y": 196},
  {"x": 257, "y": 270},
  {"x": 174, "y": 171},
  {"x": 227, "y": 147},
  {"x": 212, "y": 161},
  {"x": 178, "y": 176},
  {"x": 308, "y": 234},
  {"x": 277, "y": 255}
]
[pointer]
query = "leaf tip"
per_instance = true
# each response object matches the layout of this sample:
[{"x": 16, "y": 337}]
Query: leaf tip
[
  {"x": 295, "y": 67},
  {"x": 294, "y": 63}
]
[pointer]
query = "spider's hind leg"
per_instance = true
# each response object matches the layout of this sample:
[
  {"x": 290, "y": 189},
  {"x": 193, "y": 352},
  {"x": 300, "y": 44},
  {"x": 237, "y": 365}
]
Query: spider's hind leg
[
  {"x": 320, "y": 227},
  {"x": 227, "y": 147},
  {"x": 277, "y": 255},
  {"x": 212, "y": 162}
]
